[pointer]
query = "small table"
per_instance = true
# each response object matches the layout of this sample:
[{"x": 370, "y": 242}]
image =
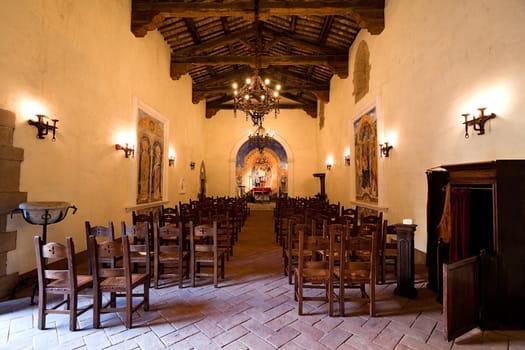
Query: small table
[{"x": 262, "y": 193}]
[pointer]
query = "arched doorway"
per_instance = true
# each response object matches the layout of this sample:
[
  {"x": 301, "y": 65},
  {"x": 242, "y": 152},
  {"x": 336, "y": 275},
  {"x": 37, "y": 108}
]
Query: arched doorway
[{"x": 262, "y": 175}]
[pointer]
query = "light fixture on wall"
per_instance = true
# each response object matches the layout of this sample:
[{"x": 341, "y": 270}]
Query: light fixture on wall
[
  {"x": 171, "y": 160},
  {"x": 347, "y": 159},
  {"x": 384, "y": 149},
  {"x": 43, "y": 127},
  {"x": 192, "y": 165},
  {"x": 329, "y": 164},
  {"x": 477, "y": 123},
  {"x": 256, "y": 98},
  {"x": 129, "y": 150}
]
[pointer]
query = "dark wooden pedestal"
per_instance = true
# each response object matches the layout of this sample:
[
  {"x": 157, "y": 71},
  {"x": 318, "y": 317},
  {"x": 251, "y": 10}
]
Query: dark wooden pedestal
[{"x": 405, "y": 255}]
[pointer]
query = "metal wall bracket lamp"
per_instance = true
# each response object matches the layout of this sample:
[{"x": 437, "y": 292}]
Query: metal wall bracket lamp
[
  {"x": 478, "y": 124},
  {"x": 44, "y": 127},
  {"x": 384, "y": 149},
  {"x": 129, "y": 150}
]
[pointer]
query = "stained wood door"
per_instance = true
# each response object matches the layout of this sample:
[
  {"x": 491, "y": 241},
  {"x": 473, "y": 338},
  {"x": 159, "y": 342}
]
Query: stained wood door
[{"x": 461, "y": 300}]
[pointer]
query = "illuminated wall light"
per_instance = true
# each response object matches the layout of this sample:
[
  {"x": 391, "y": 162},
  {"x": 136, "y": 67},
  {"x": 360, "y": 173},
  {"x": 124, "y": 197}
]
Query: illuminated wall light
[
  {"x": 43, "y": 126},
  {"x": 477, "y": 123},
  {"x": 329, "y": 163},
  {"x": 129, "y": 150},
  {"x": 384, "y": 149}
]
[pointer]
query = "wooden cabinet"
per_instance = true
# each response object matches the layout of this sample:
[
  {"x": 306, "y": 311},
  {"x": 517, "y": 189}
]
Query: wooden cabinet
[{"x": 485, "y": 285}]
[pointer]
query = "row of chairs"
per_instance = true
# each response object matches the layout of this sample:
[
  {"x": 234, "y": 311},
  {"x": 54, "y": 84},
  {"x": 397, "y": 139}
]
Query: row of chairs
[
  {"x": 114, "y": 266},
  {"x": 336, "y": 262}
]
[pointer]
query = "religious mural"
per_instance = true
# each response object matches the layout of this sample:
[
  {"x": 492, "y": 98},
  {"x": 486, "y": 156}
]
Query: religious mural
[
  {"x": 150, "y": 136},
  {"x": 366, "y": 151},
  {"x": 264, "y": 171}
]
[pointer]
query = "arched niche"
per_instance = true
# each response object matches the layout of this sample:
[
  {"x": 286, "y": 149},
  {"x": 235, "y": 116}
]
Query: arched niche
[{"x": 247, "y": 163}]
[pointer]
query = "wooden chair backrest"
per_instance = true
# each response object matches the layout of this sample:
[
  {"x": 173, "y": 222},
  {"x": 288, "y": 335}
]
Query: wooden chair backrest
[
  {"x": 170, "y": 238},
  {"x": 140, "y": 244},
  {"x": 55, "y": 251},
  {"x": 204, "y": 238},
  {"x": 312, "y": 251},
  {"x": 107, "y": 250}
]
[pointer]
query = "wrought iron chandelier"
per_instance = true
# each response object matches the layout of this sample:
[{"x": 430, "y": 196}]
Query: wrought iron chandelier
[
  {"x": 256, "y": 98},
  {"x": 260, "y": 138}
]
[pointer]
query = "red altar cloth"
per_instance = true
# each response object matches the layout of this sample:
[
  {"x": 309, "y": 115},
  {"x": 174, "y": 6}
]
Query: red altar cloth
[{"x": 261, "y": 190}]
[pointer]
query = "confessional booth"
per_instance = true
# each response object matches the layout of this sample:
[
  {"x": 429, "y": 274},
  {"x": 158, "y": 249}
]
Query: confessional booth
[{"x": 476, "y": 244}]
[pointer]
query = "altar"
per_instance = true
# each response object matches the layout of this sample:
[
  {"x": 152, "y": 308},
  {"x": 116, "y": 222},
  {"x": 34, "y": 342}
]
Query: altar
[{"x": 261, "y": 193}]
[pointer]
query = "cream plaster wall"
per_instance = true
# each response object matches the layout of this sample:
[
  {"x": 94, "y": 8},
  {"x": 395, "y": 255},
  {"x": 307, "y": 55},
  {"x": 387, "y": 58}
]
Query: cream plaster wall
[
  {"x": 79, "y": 62},
  {"x": 294, "y": 129},
  {"x": 434, "y": 61}
]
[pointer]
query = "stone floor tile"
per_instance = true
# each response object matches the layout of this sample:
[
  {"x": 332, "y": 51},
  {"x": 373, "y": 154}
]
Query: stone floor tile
[
  {"x": 252, "y": 308},
  {"x": 254, "y": 342},
  {"x": 230, "y": 336},
  {"x": 258, "y": 328},
  {"x": 335, "y": 338},
  {"x": 283, "y": 336},
  {"x": 179, "y": 335}
]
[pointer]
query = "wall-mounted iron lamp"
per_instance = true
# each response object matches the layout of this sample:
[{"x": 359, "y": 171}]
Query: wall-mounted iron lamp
[
  {"x": 192, "y": 165},
  {"x": 129, "y": 150},
  {"x": 171, "y": 160},
  {"x": 329, "y": 164},
  {"x": 478, "y": 124},
  {"x": 347, "y": 159},
  {"x": 44, "y": 127},
  {"x": 384, "y": 149}
]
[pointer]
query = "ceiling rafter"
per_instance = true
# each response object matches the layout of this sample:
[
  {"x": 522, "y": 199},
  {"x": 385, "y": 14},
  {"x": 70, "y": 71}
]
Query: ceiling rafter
[{"x": 303, "y": 43}]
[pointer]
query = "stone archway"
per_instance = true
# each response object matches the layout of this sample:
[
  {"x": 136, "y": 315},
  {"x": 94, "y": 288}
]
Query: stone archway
[{"x": 270, "y": 169}]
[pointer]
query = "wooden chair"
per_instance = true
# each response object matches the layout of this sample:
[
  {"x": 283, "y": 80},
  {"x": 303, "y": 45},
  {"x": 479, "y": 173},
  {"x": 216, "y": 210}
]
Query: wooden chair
[
  {"x": 140, "y": 246},
  {"x": 225, "y": 233},
  {"x": 64, "y": 282},
  {"x": 101, "y": 233},
  {"x": 118, "y": 282},
  {"x": 313, "y": 270},
  {"x": 291, "y": 249},
  {"x": 387, "y": 252},
  {"x": 350, "y": 212},
  {"x": 169, "y": 215},
  {"x": 170, "y": 253},
  {"x": 205, "y": 253},
  {"x": 140, "y": 220},
  {"x": 357, "y": 269}
]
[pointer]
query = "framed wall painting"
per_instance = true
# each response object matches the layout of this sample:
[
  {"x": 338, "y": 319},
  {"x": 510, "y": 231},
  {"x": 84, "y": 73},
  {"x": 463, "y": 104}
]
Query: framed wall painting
[
  {"x": 151, "y": 153},
  {"x": 366, "y": 154}
]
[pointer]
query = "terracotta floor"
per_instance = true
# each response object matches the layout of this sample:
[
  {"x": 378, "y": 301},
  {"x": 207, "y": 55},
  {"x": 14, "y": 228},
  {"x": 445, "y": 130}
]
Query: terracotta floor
[{"x": 252, "y": 309}]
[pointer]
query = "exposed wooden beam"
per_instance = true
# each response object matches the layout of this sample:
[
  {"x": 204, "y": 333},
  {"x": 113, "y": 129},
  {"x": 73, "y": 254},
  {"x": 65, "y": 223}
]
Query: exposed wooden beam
[
  {"x": 146, "y": 15},
  {"x": 338, "y": 64}
]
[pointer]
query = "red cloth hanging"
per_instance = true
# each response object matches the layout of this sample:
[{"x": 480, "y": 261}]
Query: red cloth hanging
[{"x": 460, "y": 224}]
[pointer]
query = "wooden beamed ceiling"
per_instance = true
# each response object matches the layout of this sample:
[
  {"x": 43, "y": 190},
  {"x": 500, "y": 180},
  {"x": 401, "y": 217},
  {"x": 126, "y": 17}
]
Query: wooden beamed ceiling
[{"x": 303, "y": 43}]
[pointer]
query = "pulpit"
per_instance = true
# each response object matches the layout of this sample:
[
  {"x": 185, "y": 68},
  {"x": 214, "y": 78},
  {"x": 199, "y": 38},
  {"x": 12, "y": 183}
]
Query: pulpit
[{"x": 406, "y": 264}]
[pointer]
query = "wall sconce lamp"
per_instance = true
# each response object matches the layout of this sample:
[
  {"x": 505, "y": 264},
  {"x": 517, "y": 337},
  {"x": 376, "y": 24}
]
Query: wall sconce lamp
[
  {"x": 347, "y": 159},
  {"x": 329, "y": 164},
  {"x": 44, "y": 127},
  {"x": 384, "y": 149},
  {"x": 171, "y": 160},
  {"x": 192, "y": 165},
  {"x": 129, "y": 150},
  {"x": 478, "y": 124}
]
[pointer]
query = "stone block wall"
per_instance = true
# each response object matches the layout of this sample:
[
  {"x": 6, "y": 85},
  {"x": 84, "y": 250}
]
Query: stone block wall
[{"x": 10, "y": 196}]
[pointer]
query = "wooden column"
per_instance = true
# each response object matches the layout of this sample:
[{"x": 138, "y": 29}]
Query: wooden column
[{"x": 405, "y": 264}]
